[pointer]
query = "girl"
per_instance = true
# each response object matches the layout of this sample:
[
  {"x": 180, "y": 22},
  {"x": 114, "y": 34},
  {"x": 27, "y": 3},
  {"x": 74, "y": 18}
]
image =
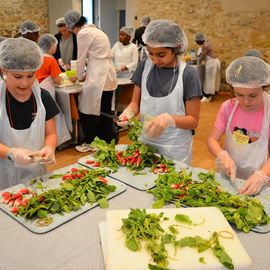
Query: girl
[
  {"x": 245, "y": 121},
  {"x": 167, "y": 92}
]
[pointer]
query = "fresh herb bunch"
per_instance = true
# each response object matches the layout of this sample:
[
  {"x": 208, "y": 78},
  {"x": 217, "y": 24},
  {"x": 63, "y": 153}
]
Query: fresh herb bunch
[
  {"x": 243, "y": 211},
  {"x": 135, "y": 129},
  {"x": 75, "y": 192},
  {"x": 105, "y": 154}
]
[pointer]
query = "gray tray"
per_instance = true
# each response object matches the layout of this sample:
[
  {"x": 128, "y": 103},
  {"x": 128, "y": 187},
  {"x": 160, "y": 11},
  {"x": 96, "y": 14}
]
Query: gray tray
[
  {"x": 143, "y": 181},
  {"x": 58, "y": 220},
  {"x": 263, "y": 196}
]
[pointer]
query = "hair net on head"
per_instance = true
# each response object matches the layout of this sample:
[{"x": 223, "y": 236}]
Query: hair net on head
[
  {"x": 29, "y": 27},
  {"x": 128, "y": 30},
  {"x": 199, "y": 37},
  {"x": 165, "y": 33},
  {"x": 71, "y": 18},
  {"x": 254, "y": 52},
  {"x": 60, "y": 21},
  {"x": 46, "y": 41},
  {"x": 20, "y": 54},
  {"x": 145, "y": 20},
  {"x": 248, "y": 72}
]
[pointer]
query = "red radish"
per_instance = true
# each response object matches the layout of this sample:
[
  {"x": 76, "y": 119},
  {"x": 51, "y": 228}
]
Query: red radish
[
  {"x": 96, "y": 164},
  {"x": 175, "y": 186},
  {"x": 103, "y": 180},
  {"x": 14, "y": 210},
  {"x": 90, "y": 161},
  {"x": 24, "y": 191},
  {"x": 74, "y": 170}
]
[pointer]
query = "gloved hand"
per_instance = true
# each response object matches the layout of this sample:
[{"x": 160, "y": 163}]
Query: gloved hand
[
  {"x": 255, "y": 183},
  {"x": 47, "y": 154},
  {"x": 226, "y": 165},
  {"x": 154, "y": 128},
  {"x": 21, "y": 156},
  {"x": 124, "y": 117}
]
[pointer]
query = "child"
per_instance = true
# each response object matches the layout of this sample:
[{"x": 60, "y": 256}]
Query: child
[
  {"x": 27, "y": 113},
  {"x": 125, "y": 54},
  {"x": 48, "y": 75},
  {"x": 245, "y": 121},
  {"x": 167, "y": 91}
]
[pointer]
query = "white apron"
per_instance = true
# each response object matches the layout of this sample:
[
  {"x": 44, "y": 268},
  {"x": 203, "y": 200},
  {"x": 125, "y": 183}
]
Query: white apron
[
  {"x": 249, "y": 157},
  {"x": 32, "y": 138},
  {"x": 211, "y": 82},
  {"x": 173, "y": 143},
  {"x": 63, "y": 134}
]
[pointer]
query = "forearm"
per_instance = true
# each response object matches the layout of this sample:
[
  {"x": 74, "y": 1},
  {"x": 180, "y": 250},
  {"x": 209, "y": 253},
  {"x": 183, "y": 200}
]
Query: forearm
[
  {"x": 214, "y": 146},
  {"x": 185, "y": 122},
  {"x": 51, "y": 140}
]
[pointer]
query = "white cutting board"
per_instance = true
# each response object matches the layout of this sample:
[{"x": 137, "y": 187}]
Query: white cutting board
[{"x": 121, "y": 258}]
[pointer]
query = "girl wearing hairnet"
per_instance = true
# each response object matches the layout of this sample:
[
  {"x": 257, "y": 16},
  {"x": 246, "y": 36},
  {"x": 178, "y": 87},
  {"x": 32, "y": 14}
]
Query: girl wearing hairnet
[
  {"x": 28, "y": 139},
  {"x": 30, "y": 30},
  {"x": 167, "y": 92},
  {"x": 48, "y": 75},
  {"x": 125, "y": 54},
  {"x": 245, "y": 122},
  {"x": 94, "y": 54}
]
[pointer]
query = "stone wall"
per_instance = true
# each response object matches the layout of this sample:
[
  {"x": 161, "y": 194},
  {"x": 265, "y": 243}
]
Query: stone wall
[
  {"x": 14, "y": 12},
  {"x": 231, "y": 33}
]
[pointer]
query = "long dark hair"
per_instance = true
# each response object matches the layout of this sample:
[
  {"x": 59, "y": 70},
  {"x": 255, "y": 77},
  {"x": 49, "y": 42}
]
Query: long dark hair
[{"x": 82, "y": 21}]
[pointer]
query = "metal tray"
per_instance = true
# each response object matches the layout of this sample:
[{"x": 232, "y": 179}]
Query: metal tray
[{"x": 58, "y": 220}]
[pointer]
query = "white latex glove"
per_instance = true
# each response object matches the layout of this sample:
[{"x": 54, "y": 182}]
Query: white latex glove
[
  {"x": 154, "y": 128},
  {"x": 45, "y": 155},
  {"x": 48, "y": 154},
  {"x": 226, "y": 165},
  {"x": 124, "y": 117},
  {"x": 255, "y": 183},
  {"x": 21, "y": 157}
]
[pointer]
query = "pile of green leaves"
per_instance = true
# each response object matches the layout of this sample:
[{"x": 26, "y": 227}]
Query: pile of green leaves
[
  {"x": 105, "y": 154},
  {"x": 243, "y": 211},
  {"x": 135, "y": 129},
  {"x": 142, "y": 227},
  {"x": 70, "y": 196}
]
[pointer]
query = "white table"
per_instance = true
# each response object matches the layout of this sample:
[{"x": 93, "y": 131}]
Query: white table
[{"x": 76, "y": 244}]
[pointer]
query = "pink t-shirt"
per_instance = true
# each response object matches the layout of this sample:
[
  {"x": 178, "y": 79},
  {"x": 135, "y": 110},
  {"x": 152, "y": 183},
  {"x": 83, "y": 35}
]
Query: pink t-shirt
[{"x": 250, "y": 123}]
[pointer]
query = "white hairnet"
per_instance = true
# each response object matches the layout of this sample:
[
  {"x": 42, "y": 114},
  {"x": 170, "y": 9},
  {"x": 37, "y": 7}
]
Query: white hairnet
[
  {"x": 20, "y": 54},
  {"x": 71, "y": 18},
  {"x": 128, "y": 30},
  {"x": 145, "y": 20},
  {"x": 46, "y": 41},
  {"x": 199, "y": 37},
  {"x": 29, "y": 27},
  {"x": 254, "y": 52},
  {"x": 60, "y": 21},
  {"x": 248, "y": 72},
  {"x": 165, "y": 33}
]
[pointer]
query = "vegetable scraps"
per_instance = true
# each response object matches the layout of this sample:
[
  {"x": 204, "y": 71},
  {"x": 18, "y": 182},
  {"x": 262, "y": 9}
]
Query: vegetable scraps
[
  {"x": 145, "y": 228},
  {"x": 180, "y": 188}
]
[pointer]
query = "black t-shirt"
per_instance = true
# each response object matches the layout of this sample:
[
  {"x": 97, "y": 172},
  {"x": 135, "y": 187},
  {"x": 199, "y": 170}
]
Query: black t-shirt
[
  {"x": 161, "y": 81},
  {"x": 23, "y": 113},
  {"x": 138, "y": 36}
]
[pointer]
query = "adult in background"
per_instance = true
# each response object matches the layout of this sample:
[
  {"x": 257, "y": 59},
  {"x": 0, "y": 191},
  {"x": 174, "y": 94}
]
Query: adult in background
[
  {"x": 30, "y": 30},
  {"x": 94, "y": 54},
  {"x": 138, "y": 37},
  {"x": 67, "y": 45},
  {"x": 27, "y": 114},
  {"x": 206, "y": 53}
]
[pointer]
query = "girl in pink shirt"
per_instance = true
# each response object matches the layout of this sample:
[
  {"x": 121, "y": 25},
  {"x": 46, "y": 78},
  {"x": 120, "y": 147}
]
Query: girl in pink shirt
[{"x": 245, "y": 122}]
